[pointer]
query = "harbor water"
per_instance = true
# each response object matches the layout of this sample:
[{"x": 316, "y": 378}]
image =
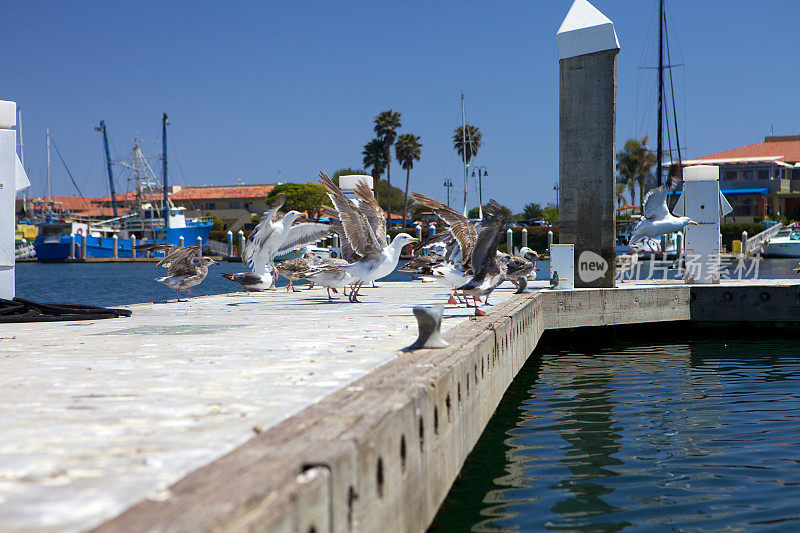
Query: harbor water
[
  {"x": 640, "y": 431},
  {"x": 110, "y": 284}
]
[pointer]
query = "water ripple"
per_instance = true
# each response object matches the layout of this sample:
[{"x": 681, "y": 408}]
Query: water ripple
[{"x": 693, "y": 436}]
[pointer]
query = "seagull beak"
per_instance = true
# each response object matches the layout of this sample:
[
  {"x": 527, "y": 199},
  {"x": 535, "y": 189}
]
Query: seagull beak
[
  {"x": 414, "y": 239},
  {"x": 695, "y": 223}
]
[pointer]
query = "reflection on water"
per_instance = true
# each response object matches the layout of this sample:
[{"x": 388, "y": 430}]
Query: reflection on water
[{"x": 698, "y": 435}]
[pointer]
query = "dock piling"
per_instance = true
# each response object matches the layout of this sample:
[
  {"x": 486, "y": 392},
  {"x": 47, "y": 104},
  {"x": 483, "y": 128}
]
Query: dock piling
[
  {"x": 744, "y": 242},
  {"x": 181, "y": 240},
  {"x": 432, "y": 230},
  {"x": 115, "y": 238},
  {"x": 230, "y": 244},
  {"x": 419, "y": 232},
  {"x": 133, "y": 246},
  {"x": 241, "y": 244},
  {"x": 549, "y": 241},
  {"x": 509, "y": 241},
  {"x": 524, "y": 238},
  {"x": 72, "y": 246}
]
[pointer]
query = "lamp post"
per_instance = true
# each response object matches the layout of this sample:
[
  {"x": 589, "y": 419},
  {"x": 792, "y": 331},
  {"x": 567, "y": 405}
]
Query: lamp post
[
  {"x": 448, "y": 184},
  {"x": 555, "y": 188},
  {"x": 481, "y": 172}
]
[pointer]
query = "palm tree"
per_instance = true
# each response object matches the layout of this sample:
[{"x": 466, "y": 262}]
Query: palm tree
[
  {"x": 386, "y": 125},
  {"x": 471, "y": 138},
  {"x": 634, "y": 164},
  {"x": 375, "y": 158},
  {"x": 407, "y": 150},
  {"x": 620, "y": 194}
]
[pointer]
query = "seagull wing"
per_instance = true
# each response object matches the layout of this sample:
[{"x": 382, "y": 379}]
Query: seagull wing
[
  {"x": 368, "y": 206},
  {"x": 462, "y": 229},
  {"x": 356, "y": 227},
  {"x": 485, "y": 250},
  {"x": 263, "y": 231},
  {"x": 302, "y": 234}
]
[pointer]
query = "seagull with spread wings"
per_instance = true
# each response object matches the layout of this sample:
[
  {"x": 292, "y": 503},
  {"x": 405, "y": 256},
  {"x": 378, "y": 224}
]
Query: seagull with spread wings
[
  {"x": 276, "y": 235},
  {"x": 365, "y": 230},
  {"x": 489, "y": 271},
  {"x": 657, "y": 219},
  {"x": 182, "y": 271}
]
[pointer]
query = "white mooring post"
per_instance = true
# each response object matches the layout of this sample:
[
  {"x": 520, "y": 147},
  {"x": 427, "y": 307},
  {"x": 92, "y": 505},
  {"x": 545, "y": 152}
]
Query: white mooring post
[
  {"x": 524, "y": 238},
  {"x": 509, "y": 241},
  {"x": 133, "y": 246},
  {"x": 241, "y": 245},
  {"x": 72, "y": 246},
  {"x": 419, "y": 232},
  {"x": 181, "y": 240},
  {"x": 115, "y": 238},
  {"x": 230, "y": 243},
  {"x": 549, "y": 241},
  {"x": 744, "y": 243},
  {"x": 12, "y": 179},
  {"x": 200, "y": 242},
  {"x": 432, "y": 230},
  {"x": 84, "y": 246}
]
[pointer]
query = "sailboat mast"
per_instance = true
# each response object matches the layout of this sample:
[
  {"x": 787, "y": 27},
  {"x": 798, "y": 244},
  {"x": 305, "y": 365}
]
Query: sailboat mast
[
  {"x": 464, "y": 148},
  {"x": 49, "y": 188},
  {"x": 164, "y": 168},
  {"x": 108, "y": 167},
  {"x": 660, "y": 141},
  {"x": 22, "y": 157}
]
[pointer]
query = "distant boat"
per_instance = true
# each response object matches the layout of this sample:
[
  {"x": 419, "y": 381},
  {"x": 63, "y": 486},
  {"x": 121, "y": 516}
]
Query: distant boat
[
  {"x": 146, "y": 222},
  {"x": 785, "y": 244}
]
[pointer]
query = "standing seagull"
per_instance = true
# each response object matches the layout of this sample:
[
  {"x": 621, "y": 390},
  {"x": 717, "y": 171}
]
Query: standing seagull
[
  {"x": 657, "y": 219},
  {"x": 182, "y": 272},
  {"x": 489, "y": 272},
  {"x": 276, "y": 235},
  {"x": 377, "y": 258}
]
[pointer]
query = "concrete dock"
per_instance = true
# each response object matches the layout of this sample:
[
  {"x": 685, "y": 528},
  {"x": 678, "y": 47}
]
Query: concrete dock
[{"x": 281, "y": 411}]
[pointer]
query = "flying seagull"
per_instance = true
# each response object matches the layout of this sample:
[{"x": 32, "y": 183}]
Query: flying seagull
[
  {"x": 360, "y": 223},
  {"x": 489, "y": 271},
  {"x": 657, "y": 219},
  {"x": 182, "y": 272}
]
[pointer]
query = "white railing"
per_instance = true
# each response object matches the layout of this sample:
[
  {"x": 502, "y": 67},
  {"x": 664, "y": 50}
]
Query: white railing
[
  {"x": 756, "y": 242},
  {"x": 25, "y": 252},
  {"x": 218, "y": 248}
]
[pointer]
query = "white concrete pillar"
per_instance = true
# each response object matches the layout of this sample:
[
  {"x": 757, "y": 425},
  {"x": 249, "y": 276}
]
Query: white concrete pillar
[
  {"x": 72, "y": 246},
  {"x": 744, "y": 242},
  {"x": 549, "y": 241},
  {"x": 115, "y": 238},
  {"x": 509, "y": 241},
  {"x": 133, "y": 246},
  {"x": 230, "y": 243},
  {"x": 524, "y": 238},
  {"x": 432, "y": 229},
  {"x": 12, "y": 179},
  {"x": 241, "y": 245},
  {"x": 419, "y": 232},
  {"x": 181, "y": 240}
]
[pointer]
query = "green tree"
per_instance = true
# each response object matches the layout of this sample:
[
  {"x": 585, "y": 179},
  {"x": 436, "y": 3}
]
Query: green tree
[
  {"x": 532, "y": 212},
  {"x": 386, "y": 125},
  {"x": 473, "y": 213},
  {"x": 634, "y": 165},
  {"x": 550, "y": 214},
  {"x": 408, "y": 149},
  {"x": 469, "y": 138},
  {"x": 375, "y": 158},
  {"x": 303, "y": 197},
  {"x": 620, "y": 194}
]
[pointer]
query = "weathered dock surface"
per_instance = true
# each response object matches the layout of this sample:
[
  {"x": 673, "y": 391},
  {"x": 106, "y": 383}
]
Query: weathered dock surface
[{"x": 281, "y": 412}]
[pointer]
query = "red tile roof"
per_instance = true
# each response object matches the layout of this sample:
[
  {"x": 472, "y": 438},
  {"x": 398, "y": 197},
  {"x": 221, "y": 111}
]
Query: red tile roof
[
  {"x": 785, "y": 147},
  {"x": 222, "y": 192},
  {"x": 76, "y": 205}
]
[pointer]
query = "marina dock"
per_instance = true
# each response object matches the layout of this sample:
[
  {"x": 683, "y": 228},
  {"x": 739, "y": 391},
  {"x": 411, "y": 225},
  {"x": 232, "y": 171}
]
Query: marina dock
[{"x": 283, "y": 412}]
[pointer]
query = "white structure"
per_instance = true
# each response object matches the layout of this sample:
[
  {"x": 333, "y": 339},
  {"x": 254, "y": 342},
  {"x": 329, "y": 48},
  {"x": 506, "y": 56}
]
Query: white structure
[
  {"x": 12, "y": 179},
  {"x": 348, "y": 183},
  {"x": 562, "y": 262},
  {"x": 703, "y": 202},
  {"x": 585, "y": 30}
]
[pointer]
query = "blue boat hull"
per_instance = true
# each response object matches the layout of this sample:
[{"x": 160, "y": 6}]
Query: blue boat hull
[{"x": 89, "y": 247}]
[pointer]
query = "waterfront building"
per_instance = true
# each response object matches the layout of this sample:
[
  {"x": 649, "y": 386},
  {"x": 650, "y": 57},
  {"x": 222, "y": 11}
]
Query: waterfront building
[{"x": 760, "y": 179}]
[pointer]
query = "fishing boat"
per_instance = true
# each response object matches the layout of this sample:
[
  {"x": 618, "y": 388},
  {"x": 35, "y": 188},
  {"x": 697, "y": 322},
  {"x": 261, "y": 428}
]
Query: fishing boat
[
  {"x": 147, "y": 222},
  {"x": 786, "y": 243}
]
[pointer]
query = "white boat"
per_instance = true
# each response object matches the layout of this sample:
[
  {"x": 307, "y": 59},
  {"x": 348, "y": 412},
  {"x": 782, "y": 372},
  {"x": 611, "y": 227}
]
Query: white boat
[{"x": 785, "y": 244}]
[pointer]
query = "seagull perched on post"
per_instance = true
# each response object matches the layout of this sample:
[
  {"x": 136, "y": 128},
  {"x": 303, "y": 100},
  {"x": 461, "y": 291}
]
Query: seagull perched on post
[
  {"x": 276, "y": 235},
  {"x": 657, "y": 219},
  {"x": 365, "y": 229},
  {"x": 182, "y": 272}
]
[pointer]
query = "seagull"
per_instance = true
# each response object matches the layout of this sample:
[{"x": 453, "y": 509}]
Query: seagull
[
  {"x": 329, "y": 274},
  {"x": 360, "y": 224},
  {"x": 291, "y": 268},
  {"x": 657, "y": 219},
  {"x": 529, "y": 254},
  {"x": 489, "y": 272},
  {"x": 183, "y": 273},
  {"x": 277, "y": 235},
  {"x": 517, "y": 268},
  {"x": 422, "y": 265},
  {"x": 250, "y": 281}
]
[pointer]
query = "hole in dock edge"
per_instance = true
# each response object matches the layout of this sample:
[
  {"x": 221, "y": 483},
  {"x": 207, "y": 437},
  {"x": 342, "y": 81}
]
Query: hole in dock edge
[{"x": 379, "y": 477}]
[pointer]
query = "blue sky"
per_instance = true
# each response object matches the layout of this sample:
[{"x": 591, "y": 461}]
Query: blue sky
[{"x": 254, "y": 88}]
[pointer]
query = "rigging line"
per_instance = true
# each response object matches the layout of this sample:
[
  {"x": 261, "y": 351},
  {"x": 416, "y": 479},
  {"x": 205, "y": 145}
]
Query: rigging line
[
  {"x": 85, "y": 204},
  {"x": 674, "y": 112}
]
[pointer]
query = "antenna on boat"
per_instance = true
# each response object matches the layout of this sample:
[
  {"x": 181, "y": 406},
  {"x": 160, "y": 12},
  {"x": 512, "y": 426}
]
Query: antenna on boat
[
  {"x": 464, "y": 148},
  {"x": 102, "y": 128},
  {"x": 49, "y": 188},
  {"x": 164, "y": 166},
  {"x": 659, "y": 142}
]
